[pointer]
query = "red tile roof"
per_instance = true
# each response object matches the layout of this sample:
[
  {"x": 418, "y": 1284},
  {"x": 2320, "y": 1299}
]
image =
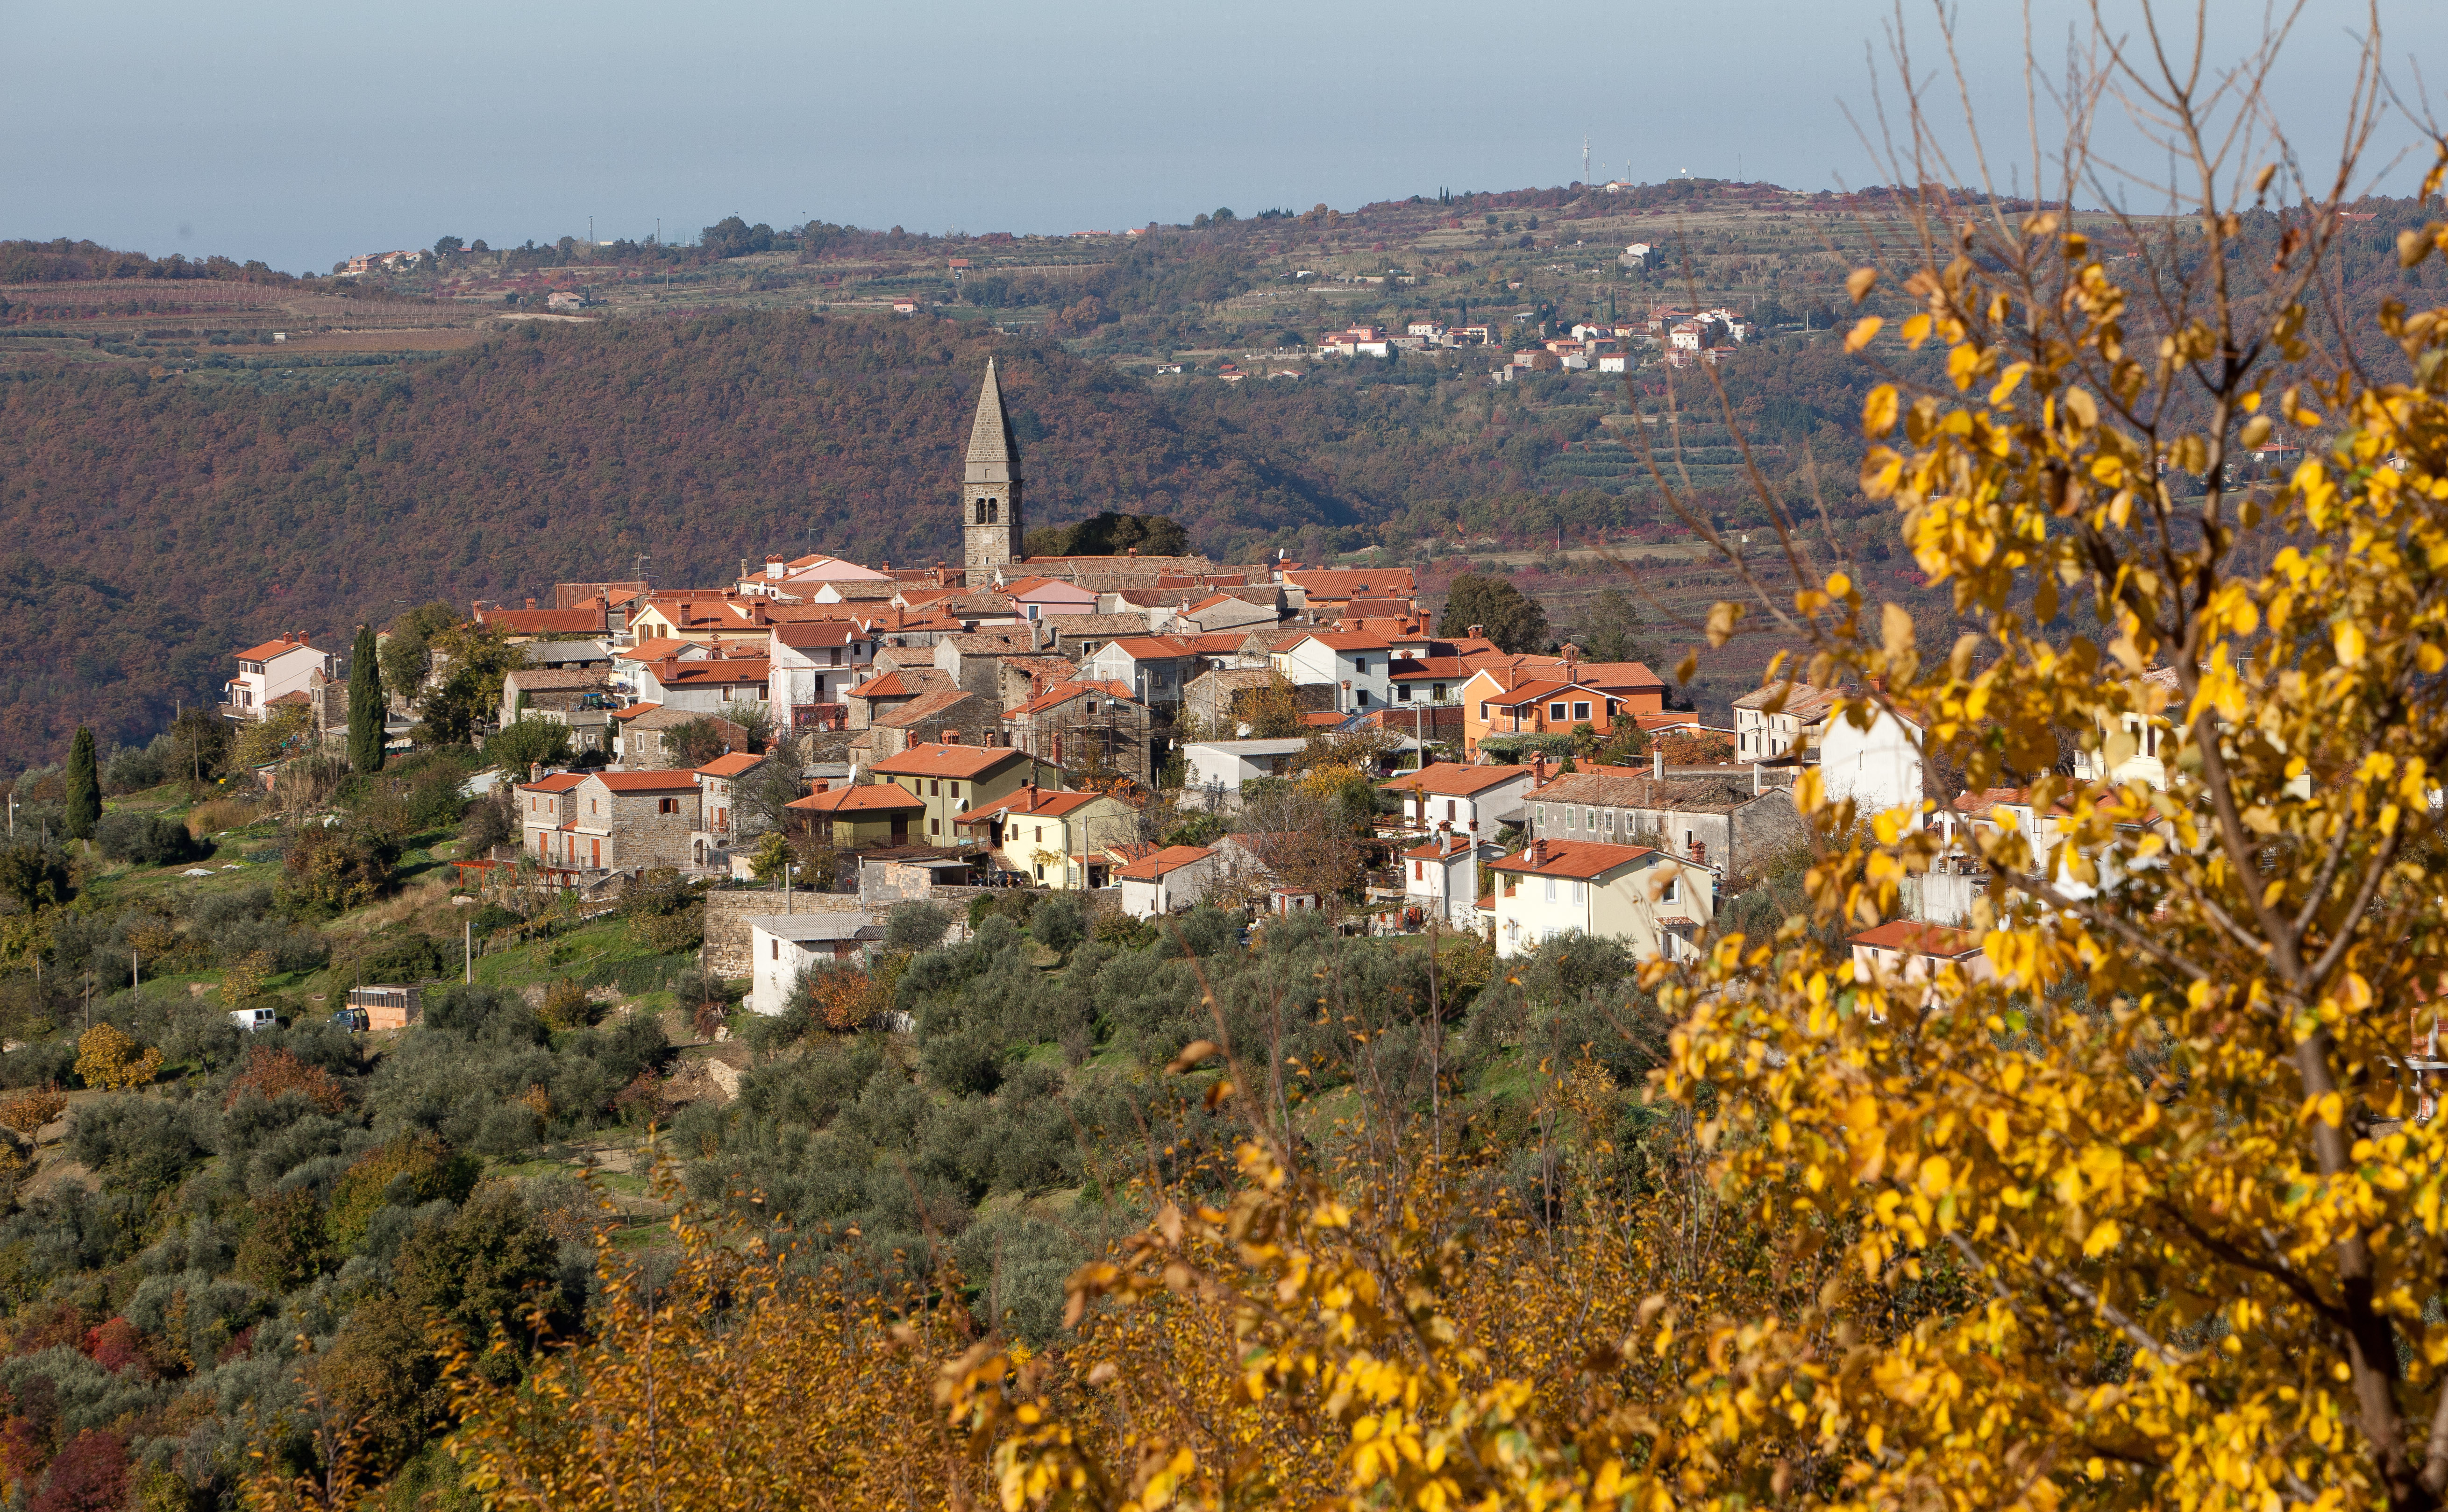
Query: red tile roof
[
  {"x": 946, "y": 761},
  {"x": 874, "y": 796},
  {"x": 1394, "y": 582},
  {"x": 657, "y": 649},
  {"x": 729, "y": 669},
  {"x": 588, "y": 616},
  {"x": 1583, "y": 859},
  {"x": 1063, "y": 693},
  {"x": 1350, "y": 640},
  {"x": 1049, "y": 804},
  {"x": 558, "y": 782},
  {"x": 1172, "y": 859},
  {"x": 1157, "y": 648},
  {"x": 635, "y": 710},
  {"x": 272, "y": 648},
  {"x": 731, "y": 765},
  {"x": 1914, "y": 938},
  {"x": 825, "y": 632},
  {"x": 1451, "y": 779},
  {"x": 663, "y": 781}
]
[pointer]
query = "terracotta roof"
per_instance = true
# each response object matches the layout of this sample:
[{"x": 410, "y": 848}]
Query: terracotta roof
[
  {"x": 731, "y": 765},
  {"x": 1063, "y": 693},
  {"x": 1583, "y": 859},
  {"x": 1543, "y": 688},
  {"x": 1440, "y": 850},
  {"x": 558, "y": 782},
  {"x": 945, "y": 760},
  {"x": 1023, "y": 586},
  {"x": 906, "y": 683},
  {"x": 1914, "y": 938},
  {"x": 1619, "y": 788},
  {"x": 927, "y": 706},
  {"x": 1451, "y": 779},
  {"x": 826, "y": 632},
  {"x": 1348, "y": 640},
  {"x": 1172, "y": 859},
  {"x": 1617, "y": 675},
  {"x": 1050, "y": 804},
  {"x": 846, "y": 800},
  {"x": 1104, "y": 624},
  {"x": 663, "y": 781},
  {"x": 635, "y": 711},
  {"x": 588, "y": 616},
  {"x": 273, "y": 648},
  {"x": 1385, "y": 582},
  {"x": 1155, "y": 647},
  {"x": 727, "y": 669},
  {"x": 1800, "y": 700},
  {"x": 1404, "y": 668},
  {"x": 293, "y": 696}
]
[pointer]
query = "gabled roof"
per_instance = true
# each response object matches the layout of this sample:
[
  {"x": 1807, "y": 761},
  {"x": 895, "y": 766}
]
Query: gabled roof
[
  {"x": 873, "y": 796},
  {"x": 663, "y": 781},
  {"x": 1543, "y": 688},
  {"x": 696, "y": 674},
  {"x": 273, "y": 648},
  {"x": 1348, "y": 640},
  {"x": 1172, "y": 859},
  {"x": 1914, "y": 938},
  {"x": 1615, "y": 675},
  {"x": 946, "y": 761},
  {"x": 636, "y": 711},
  {"x": 1451, "y": 779},
  {"x": 1047, "y": 804},
  {"x": 731, "y": 765},
  {"x": 906, "y": 683},
  {"x": 923, "y": 709},
  {"x": 558, "y": 782},
  {"x": 588, "y": 616},
  {"x": 1063, "y": 693},
  {"x": 658, "y": 649},
  {"x": 1375, "y": 582},
  {"x": 827, "y": 632},
  {"x": 547, "y": 680},
  {"x": 1443, "y": 848},
  {"x": 1048, "y": 587},
  {"x": 1153, "y": 647},
  {"x": 1799, "y": 699},
  {"x": 1580, "y": 859}
]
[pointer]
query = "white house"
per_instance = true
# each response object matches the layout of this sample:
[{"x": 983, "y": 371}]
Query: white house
[
  {"x": 788, "y": 944},
  {"x": 1878, "y": 768},
  {"x": 814, "y": 664},
  {"x": 1354, "y": 662},
  {"x": 274, "y": 670},
  {"x": 1175, "y": 877},
  {"x": 1154, "y": 667},
  {"x": 1780, "y": 719},
  {"x": 1222, "y": 766},
  {"x": 1440, "y": 876},
  {"x": 1645, "y": 898},
  {"x": 1469, "y": 799}
]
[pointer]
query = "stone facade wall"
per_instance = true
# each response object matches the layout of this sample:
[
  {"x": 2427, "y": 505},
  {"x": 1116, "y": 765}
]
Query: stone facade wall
[
  {"x": 641, "y": 834},
  {"x": 1764, "y": 827},
  {"x": 727, "y": 915}
]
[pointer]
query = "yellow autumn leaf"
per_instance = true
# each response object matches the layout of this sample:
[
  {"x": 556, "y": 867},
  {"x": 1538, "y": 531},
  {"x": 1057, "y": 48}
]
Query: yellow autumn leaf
[
  {"x": 1860, "y": 282},
  {"x": 1863, "y": 331},
  {"x": 1879, "y": 411}
]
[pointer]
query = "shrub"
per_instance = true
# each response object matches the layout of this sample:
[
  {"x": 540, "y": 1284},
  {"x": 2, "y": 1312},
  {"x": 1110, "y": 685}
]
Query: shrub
[
  {"x": 287, "y": 1247},
  {"x": 90, "y": 1475},
  {"x": 269, "y": 1073},
  {"x": 525, "y": 742},
  {"x": 143, "y": 839},
  {"x": 328, "y": 872},
  {"x": 1060, "y": 923},
  {"x": 216, "y": 814},
  {"x": 134, "y": 768},
  {"x": 566, "y": 1005},
  {"x": 915, "y": 927},
  {"x": 29, "y": 1111},
  {"x": 143, "y": 1145},
  {"x": 409, "y": 1171},
  {"x": 410, "y": 958},
  {"x": 670, "y": 933},
  {"x": 109, "y": 1059}
]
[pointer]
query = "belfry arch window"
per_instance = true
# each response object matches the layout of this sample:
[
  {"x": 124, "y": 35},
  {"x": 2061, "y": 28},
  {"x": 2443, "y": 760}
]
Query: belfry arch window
[{"x": 990, "y": 512}]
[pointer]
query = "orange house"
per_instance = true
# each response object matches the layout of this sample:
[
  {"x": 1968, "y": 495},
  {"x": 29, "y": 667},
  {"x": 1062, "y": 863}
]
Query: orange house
[{"x": 1551, "y": 700}]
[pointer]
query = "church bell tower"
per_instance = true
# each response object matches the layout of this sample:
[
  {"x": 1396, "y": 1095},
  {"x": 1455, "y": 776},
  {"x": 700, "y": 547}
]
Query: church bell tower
[{"x": 991, "y": 488}]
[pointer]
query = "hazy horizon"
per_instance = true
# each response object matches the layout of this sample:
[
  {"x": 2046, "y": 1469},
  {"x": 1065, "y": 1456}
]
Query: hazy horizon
[{"x": 301, "y": 136}]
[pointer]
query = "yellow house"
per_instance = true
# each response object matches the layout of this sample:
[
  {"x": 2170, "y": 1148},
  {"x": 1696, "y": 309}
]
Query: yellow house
[
  {"x": 849, "y": 817},
  {"x": 954, "y": 778},
  {"x": 1055, "y": 839}
]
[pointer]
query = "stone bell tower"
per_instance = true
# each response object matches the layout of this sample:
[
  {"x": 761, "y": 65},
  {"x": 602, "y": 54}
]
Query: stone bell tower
[{"x": 991, "y": 488}]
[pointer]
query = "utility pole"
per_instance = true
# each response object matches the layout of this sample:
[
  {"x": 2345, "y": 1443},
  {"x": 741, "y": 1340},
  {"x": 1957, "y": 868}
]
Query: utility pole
[{"x": 467, "y": 949}]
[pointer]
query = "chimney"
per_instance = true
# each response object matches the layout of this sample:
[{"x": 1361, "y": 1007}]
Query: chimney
[
  {"x": 535, "y": 772},
  {"x": 951, "y": 736},
  {"x": 1476, "y": 630},
  {"x": 1658, "y": 762},
  {"x": 820, "y": 785},
  {"x": 757, "y": 612},
  {"x": 531, "y": 604},
  {"x": 1032, "y": 793},
  {"x": 1539, "y": 770},
  {"x": 744, "y": 569},
  {"x": 1133, "y": 550}
]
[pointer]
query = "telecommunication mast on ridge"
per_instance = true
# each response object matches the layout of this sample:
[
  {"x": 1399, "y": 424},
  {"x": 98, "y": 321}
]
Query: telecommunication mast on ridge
[{"x": 1585, "y": 159}]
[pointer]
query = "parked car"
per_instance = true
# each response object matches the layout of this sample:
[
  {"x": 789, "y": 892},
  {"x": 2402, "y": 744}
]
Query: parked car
[
  {"x": 253, "y": 1019},
  {"x": 352, "y": 1020}
]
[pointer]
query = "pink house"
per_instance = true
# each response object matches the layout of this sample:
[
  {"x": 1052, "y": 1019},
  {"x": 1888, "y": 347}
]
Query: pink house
[{"x": 1039, "y": 598}]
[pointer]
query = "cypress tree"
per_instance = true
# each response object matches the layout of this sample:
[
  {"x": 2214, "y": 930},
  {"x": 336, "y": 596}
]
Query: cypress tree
[
  {"x": 85, "y": 786},
  {"x": 365, "y": 703}
]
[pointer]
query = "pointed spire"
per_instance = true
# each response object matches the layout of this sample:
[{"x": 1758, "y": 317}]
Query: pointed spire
[{"x": 990, "y": 432}]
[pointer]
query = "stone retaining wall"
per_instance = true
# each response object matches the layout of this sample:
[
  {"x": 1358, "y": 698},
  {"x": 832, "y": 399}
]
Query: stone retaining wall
[{"x": 727, "y": 915}]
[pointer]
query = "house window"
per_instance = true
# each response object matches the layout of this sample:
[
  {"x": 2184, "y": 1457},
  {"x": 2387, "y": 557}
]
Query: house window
[
  {"x": 777, "y": 949},
  {"x": 1403, "y": 693},
  {"x": 1581, "y": 709},
  {"x": 934, "y": 790},
  {"x": 1551, "y": 889},
  {"x": 1039, "y": 836},
  {"x": 1483, "y": 713},
  {"x": 1572, "y": 818},
  {"x": 1542, "y": 816},
  {"x": 1419, "y": 870},
  {"x": 1449, "y": 809},
  {"x": 1555, "y": 711},
  {"x": 1363, "y": 697},
  {"x": 1592, "y": 822},
  {"x": 1674, "y": 893},
  {"x": 1580, "y": 892},
  {"x": 668, "y": 806},
  {"x": 934, "y": 827}
]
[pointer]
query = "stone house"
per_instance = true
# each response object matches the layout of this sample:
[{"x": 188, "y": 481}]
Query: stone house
[
  {"x": 1784, "y": 718},
  {"x": 1086, "y": 726},
  {"x": 618, "y": 821},
  {"x": 719, "y": 784},
  {"x": 641, "y": 744},
  {"x": 1054, "y": 838},
  {"x": 881, "y": 694},
  {"x": 580, "y": 698},
  {"x": 1716, "y": 822},
  {"x": 944, "y": 712}
]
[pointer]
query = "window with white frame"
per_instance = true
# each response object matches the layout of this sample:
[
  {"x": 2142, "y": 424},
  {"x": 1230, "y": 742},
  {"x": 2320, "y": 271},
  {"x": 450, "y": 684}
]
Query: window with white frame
[{"x": 1551, "y": 889}]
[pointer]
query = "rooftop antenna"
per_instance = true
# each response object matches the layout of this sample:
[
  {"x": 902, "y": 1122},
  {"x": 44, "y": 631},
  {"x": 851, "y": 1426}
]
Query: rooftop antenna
[{"x": 1585, "y": 159}]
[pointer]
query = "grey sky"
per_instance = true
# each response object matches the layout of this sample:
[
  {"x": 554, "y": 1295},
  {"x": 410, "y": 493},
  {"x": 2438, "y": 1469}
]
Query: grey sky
[{"x": 302, "y": 133}]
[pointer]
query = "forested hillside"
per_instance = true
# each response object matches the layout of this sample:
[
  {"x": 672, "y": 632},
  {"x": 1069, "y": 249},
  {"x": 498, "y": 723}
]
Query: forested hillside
[{"x": 153, "y": 526}]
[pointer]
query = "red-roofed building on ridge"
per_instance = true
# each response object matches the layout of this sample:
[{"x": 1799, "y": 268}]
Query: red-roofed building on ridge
[
  {"x": 274, "y": 670},
  {"x": 1632, "y": 893}
]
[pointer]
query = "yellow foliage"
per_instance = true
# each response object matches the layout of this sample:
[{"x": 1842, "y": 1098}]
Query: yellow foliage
[{"x": 108, "y": 1059}]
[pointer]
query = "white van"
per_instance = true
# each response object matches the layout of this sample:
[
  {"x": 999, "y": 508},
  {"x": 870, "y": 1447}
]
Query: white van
[{"x": 252, "y": 1019}]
